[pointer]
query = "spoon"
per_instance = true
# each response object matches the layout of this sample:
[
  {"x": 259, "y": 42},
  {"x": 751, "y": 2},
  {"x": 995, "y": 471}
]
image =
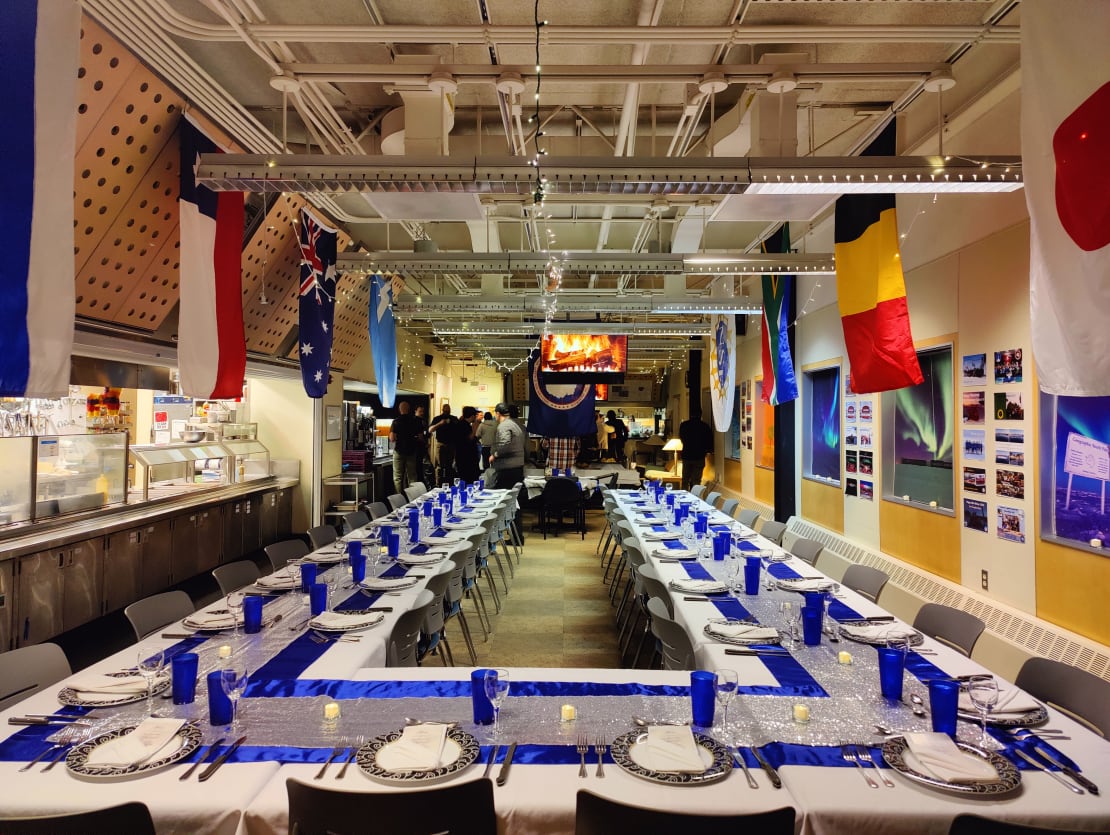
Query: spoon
[
  {"x": 645, "y": 723},
  {"x": 918, "y": 705},
  {"x": 410, "y": 721},
  {"x": 884, "y": 730}
]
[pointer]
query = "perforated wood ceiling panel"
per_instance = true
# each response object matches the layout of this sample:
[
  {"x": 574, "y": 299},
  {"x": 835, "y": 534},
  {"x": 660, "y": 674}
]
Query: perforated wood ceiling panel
[
  {"x": 272, "y": 252},
  {"x": 125, "y": 193},
  {"x": 351, "y": 320}
]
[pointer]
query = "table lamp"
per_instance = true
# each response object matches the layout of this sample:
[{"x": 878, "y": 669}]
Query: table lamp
[{"x": 674, "y": 445}]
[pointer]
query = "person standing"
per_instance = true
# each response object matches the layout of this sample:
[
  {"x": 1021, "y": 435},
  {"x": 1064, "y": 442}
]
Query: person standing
[
  {"x": 445, "y": 450},
  {"x": 424, "y": 473},
  {"x": 467, "y": 454},
  {"x": 602, "y": 435},
  {"x": 562, "y": 453},
  {"x": 618, "y": 436},
  {"x": 697, "y": 442},
  {"x": 487, "y": 431},
  {"x": 507, "y": 458},
  {"x": 404, "y": 433}
]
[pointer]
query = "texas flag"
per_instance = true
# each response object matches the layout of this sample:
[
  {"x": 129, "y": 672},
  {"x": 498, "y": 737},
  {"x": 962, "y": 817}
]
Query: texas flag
[
  {"x": 1065, "y": 148},
  {"x": 319, "y": 245},
  {"x": 212, "y": 351},
  {"x": 38, "y": 62}
]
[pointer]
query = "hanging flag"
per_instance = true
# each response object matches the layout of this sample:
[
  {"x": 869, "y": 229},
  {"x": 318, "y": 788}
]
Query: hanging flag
[
  {"x": 722, "y": 368},
  {"x": 38, "y": 62},
  {"x": 564, "y": 410},
  {"x": 1065, "y": 130},
  {"x": 871, "y": 291},
  {"x": 211, "y": 346},
  {"x": 319, "y": 245},
  {"x": 779, "y": 382},
  {"x": 383, "y": 338}
]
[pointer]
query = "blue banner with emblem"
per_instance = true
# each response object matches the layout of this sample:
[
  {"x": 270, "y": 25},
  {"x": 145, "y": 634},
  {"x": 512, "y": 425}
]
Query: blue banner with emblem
[{"x": 558, "y": 411}]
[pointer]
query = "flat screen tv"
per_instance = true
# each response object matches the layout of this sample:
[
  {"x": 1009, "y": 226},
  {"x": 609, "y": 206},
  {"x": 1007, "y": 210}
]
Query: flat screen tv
[{"x": 583, "y": 358}]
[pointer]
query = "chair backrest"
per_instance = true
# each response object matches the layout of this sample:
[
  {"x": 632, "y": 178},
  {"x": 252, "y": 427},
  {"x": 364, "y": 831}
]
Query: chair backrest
[
  {"x": 322, "y": 535},
  {"x": 1082, "y": 695},
  {"x": 462, "y": 809},
  {"x": 29, "y": 669},
  {"x": 280, "y": 553},
  {"x": 415, "y": 490},
  {"x": 728, "y": 506},
  {"x": 711, "y": 499},
  {"x": 152, "y": 613},
  {"x": 377, "y": 510},
  {"x": 132, "y": 818},
  {"x": 397, "y": 500},
  {"x": 595, "y": 815},
  {"x": 977, "y": 825},
  {"x": 773, "y": 530},
  {"x": 866, "y": 580},
  {"x": 354, "y": 521},
  {"x": 804, "y": 549},
  {"x": 655, "y": 588},
  {"x": 748, "y": 517},
  {"x": 560, "y": 491},
  {"x": 235, "y": 575},
  {"x": 955, "y": 627},
  {"x": 678, "y": 652},
  {"x": 404, "y": 640},
  {"x": 698, "y": 490},
  {"x": 437, "y": 587}
]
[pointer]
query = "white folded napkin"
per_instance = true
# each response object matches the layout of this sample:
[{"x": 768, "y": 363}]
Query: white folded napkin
[
  {"x": 387, "y": 583},
  {"x": 939, "y": 757},
  {"x": 460, "y": 526},
  {"x": 278, "y": 580},
  {"x": 672, "y": 748},
  {"x": 675, "y": 553},
  {"x": 1011, "y": 702},
  {"x": 648, "y": 520},
  {"x": 806, "y": 584},
  {"x": 210, "y": 620},
  {"x": 429, "y": 558},
  {"x": 744, "y": 631},
  {"x": 113, "y": 685},
  {"x": 652, "y": 536},
  {"x": 699, "y": 586},
  {"x": 872, "y": 633},
  {"x": 446, "y": 539},
  {"x": 338, "y": 621},
  {"x": 151, "y": 739},
  {"x": 420, "y": 748}
]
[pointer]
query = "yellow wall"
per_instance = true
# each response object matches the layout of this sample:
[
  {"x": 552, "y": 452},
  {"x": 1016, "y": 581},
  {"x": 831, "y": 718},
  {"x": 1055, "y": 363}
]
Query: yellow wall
[
  {"x": 284, "y": 414},
  {"x": 823, "y": 505}
]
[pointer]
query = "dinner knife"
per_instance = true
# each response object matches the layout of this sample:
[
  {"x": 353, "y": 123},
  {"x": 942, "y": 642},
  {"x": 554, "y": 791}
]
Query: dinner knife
[
  {"x": 1051, "y": 774},
  {"x": 753, "y": 651},
  {"x": 45, "y": 720},
  {"x": 213, "y": 748},
  {"x": 736, "y": 755},
  {"x": 772, "y": 775},
  {"x": 489, "y": 762},
  {"x": 1068, "y": 770},
  {"x": 220, "y": 760},
  {"x": 503, "y": 774}
]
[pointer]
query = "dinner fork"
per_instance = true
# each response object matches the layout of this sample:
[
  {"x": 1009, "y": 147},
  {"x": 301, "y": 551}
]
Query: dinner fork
[
  {"x": 58, "y": 741},
  {"x": 864, "y": 753},
  {"x": 359, "y": 742},
  {"x": 583, "y": 747},
  {"x": 601, "y": 747},
  {"x": 849, "y": 756}
]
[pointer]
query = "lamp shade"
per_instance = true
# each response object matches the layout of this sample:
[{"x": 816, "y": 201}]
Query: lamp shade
[{"x": 673, "y": 445}]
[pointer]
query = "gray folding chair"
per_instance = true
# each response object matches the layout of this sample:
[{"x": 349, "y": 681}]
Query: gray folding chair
[
  {"x": 415, "y": 490},
  {"x": 322, "y": 535},
  {"x": 354, "y": 521},
  {"x": 280, "y": 553},
  {"x": 773, "y": 530},
  {"x": 594, "y": 815},
  {"x": 377, "y": 510},
  {"x": 403, "y": 647},
  {"x": 866, "y": 580},
  {"x": 748, "y": 517},
  {"x": 955, "y": 627},
  {"x": 728, "y": 506},
  {"x": 132, "y": 818},
  {"x": 1083, "y": 696},
  {"x": 674, "y": 643},
  {"x": 804, "y": 549},
  {"x": 712, "y": 498},
  {"x": 397, "y": 500},
  {"x": 150, "y": 614},
  {"x": 698, "y": 490},
  {"x": 235, "y": 575},
  {"x": 28, "y": 670}
]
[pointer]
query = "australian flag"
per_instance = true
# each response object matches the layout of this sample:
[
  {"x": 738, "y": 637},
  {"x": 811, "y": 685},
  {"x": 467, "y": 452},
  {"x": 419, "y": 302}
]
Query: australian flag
[{"x": 317, "y": 313}]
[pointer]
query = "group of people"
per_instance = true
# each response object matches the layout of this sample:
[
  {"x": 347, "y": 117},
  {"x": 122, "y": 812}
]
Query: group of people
[{"x": 464, "y": 446}]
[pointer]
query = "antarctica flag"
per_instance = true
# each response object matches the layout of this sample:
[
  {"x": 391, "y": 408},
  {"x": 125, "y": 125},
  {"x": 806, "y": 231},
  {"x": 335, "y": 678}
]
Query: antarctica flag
[{"x": 1065, "y": 144}]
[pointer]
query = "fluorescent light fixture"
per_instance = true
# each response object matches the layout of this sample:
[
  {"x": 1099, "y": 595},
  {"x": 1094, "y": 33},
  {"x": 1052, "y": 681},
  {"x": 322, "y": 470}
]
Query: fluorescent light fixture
[
  {"x": 536, "y": 328},
  {"x": 707, "y": 306}
]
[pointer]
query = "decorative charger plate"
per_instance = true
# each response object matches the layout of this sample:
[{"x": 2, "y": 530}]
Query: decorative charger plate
[
  {"x": 71, "y": 697},
  {"x": 1037, "y": 716},
  {"x": 717, "y": 759},
  {"x": 738, "y": 640},
  {"x": 459, "y": 751},
  {"x": 896, "y": 752},
  {"x": 77, "y": 760},
  {"x": 366, "y": 620},
  {"x": 685, "y": 587},
  {"x": 326, "y": 556},
  {"x": 879, "y": 639},
  {"x": 398, "y": 584},
  {"x": 795, "y": 585}
]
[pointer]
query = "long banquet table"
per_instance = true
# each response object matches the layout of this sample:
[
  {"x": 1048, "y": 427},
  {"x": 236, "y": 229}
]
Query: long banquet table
[{"x": 294, "y": 677}]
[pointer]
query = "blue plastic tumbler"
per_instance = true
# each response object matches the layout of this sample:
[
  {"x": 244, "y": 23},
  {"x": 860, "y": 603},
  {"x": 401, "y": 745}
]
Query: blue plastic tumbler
[
  {"x": 358, "y": 567},
  {"x": 183, "y": 670},
  {"x": 812, "y": 621},
  {"x": 722, "y": 542},
  {"x": 703, "y": 697},
  {"x": 944, "y": 696},
  {"x": 483, "y": 707},
  {"x": 752, "y": 567},
  {"x": 219, "y": 705},
  {"x": 308, "y": 575},
  {"x": 318, "y": 598},
  {"x": 892, "y": 664},
  {"x": 252, "y": 614}
]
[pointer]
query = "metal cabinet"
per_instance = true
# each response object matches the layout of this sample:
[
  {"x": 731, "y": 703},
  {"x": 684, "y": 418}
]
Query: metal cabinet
[
  {"x": 58, "y": 590},
  {"x": 123, "y": 569},
  {"x": 268, "y": 517},
  {"x": 210, "y": 538},
  {"x": 183, "y": 553},
  {"x": 252, "y": 516},
  {"x": 7, "y": 604},
  {"x": 233, "y": 531},
  {"x": 198, "y": 542},
  {"x": 284, "y": 527},
  {"x": 157, "y": 543}
]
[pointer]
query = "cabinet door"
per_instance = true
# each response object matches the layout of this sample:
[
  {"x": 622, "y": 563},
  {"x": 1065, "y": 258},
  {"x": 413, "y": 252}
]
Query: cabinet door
[
  {"x": 210, "y": 538},
  {"x": 233, "y": 531},
  {"x": 267, "y": 518},
  {"x": 183, "y": 563},
  {"x": 7, "y": 604},
  {"x": 157, "y": 544},
  {"x": 284, "y": 526},
  {"x": 252, "y": 512},
  {"x": 123, "y": 561},
  {"x": 39, "y": 590},
  {"x": 82, "y": 582}
]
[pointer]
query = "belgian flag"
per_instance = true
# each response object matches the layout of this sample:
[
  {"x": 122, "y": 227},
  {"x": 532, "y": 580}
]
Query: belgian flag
[{"x": 871, "y": 290}]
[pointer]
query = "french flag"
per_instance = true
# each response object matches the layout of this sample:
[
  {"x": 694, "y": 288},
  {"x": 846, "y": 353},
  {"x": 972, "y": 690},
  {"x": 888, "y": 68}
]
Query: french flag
[
  {"x": 38, "y": 62},
  {"x": 211, "y": 351}
]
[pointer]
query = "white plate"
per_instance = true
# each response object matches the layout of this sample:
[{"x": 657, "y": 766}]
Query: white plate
[
  {"x": 188, "y": 738},
  {"x": 896, "y": 752},
  {"x": 421, "y": 559},
  {"x": 398, "y": 584},
  {"x": 460, "y": 750},
  {"x": 76, "y": 698},
  {"x": 364, "y": 622},
  {"x": 715, "y": 756}
]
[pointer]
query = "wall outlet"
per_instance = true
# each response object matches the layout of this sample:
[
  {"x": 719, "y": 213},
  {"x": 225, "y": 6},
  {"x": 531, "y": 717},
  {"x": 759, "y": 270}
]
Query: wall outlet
[{"x": 984, "y": 579}]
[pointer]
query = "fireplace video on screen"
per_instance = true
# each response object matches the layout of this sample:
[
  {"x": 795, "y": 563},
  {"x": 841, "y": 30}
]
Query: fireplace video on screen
[{"x": 583, "y": 358}]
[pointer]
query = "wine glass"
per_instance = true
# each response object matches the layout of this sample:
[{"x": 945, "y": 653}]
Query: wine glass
[
  {"x": 732, "y": 572},
  {"x": 725, "y": 688},
  {"x": 150, "y": 664},
  {"x": 233, "y": 680},
  {"x": 234, "y": 602},
  {"x": 790, "y": 612},
  {"x": 497, "y": 688},
  {"x": 983, "y": 692}
]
